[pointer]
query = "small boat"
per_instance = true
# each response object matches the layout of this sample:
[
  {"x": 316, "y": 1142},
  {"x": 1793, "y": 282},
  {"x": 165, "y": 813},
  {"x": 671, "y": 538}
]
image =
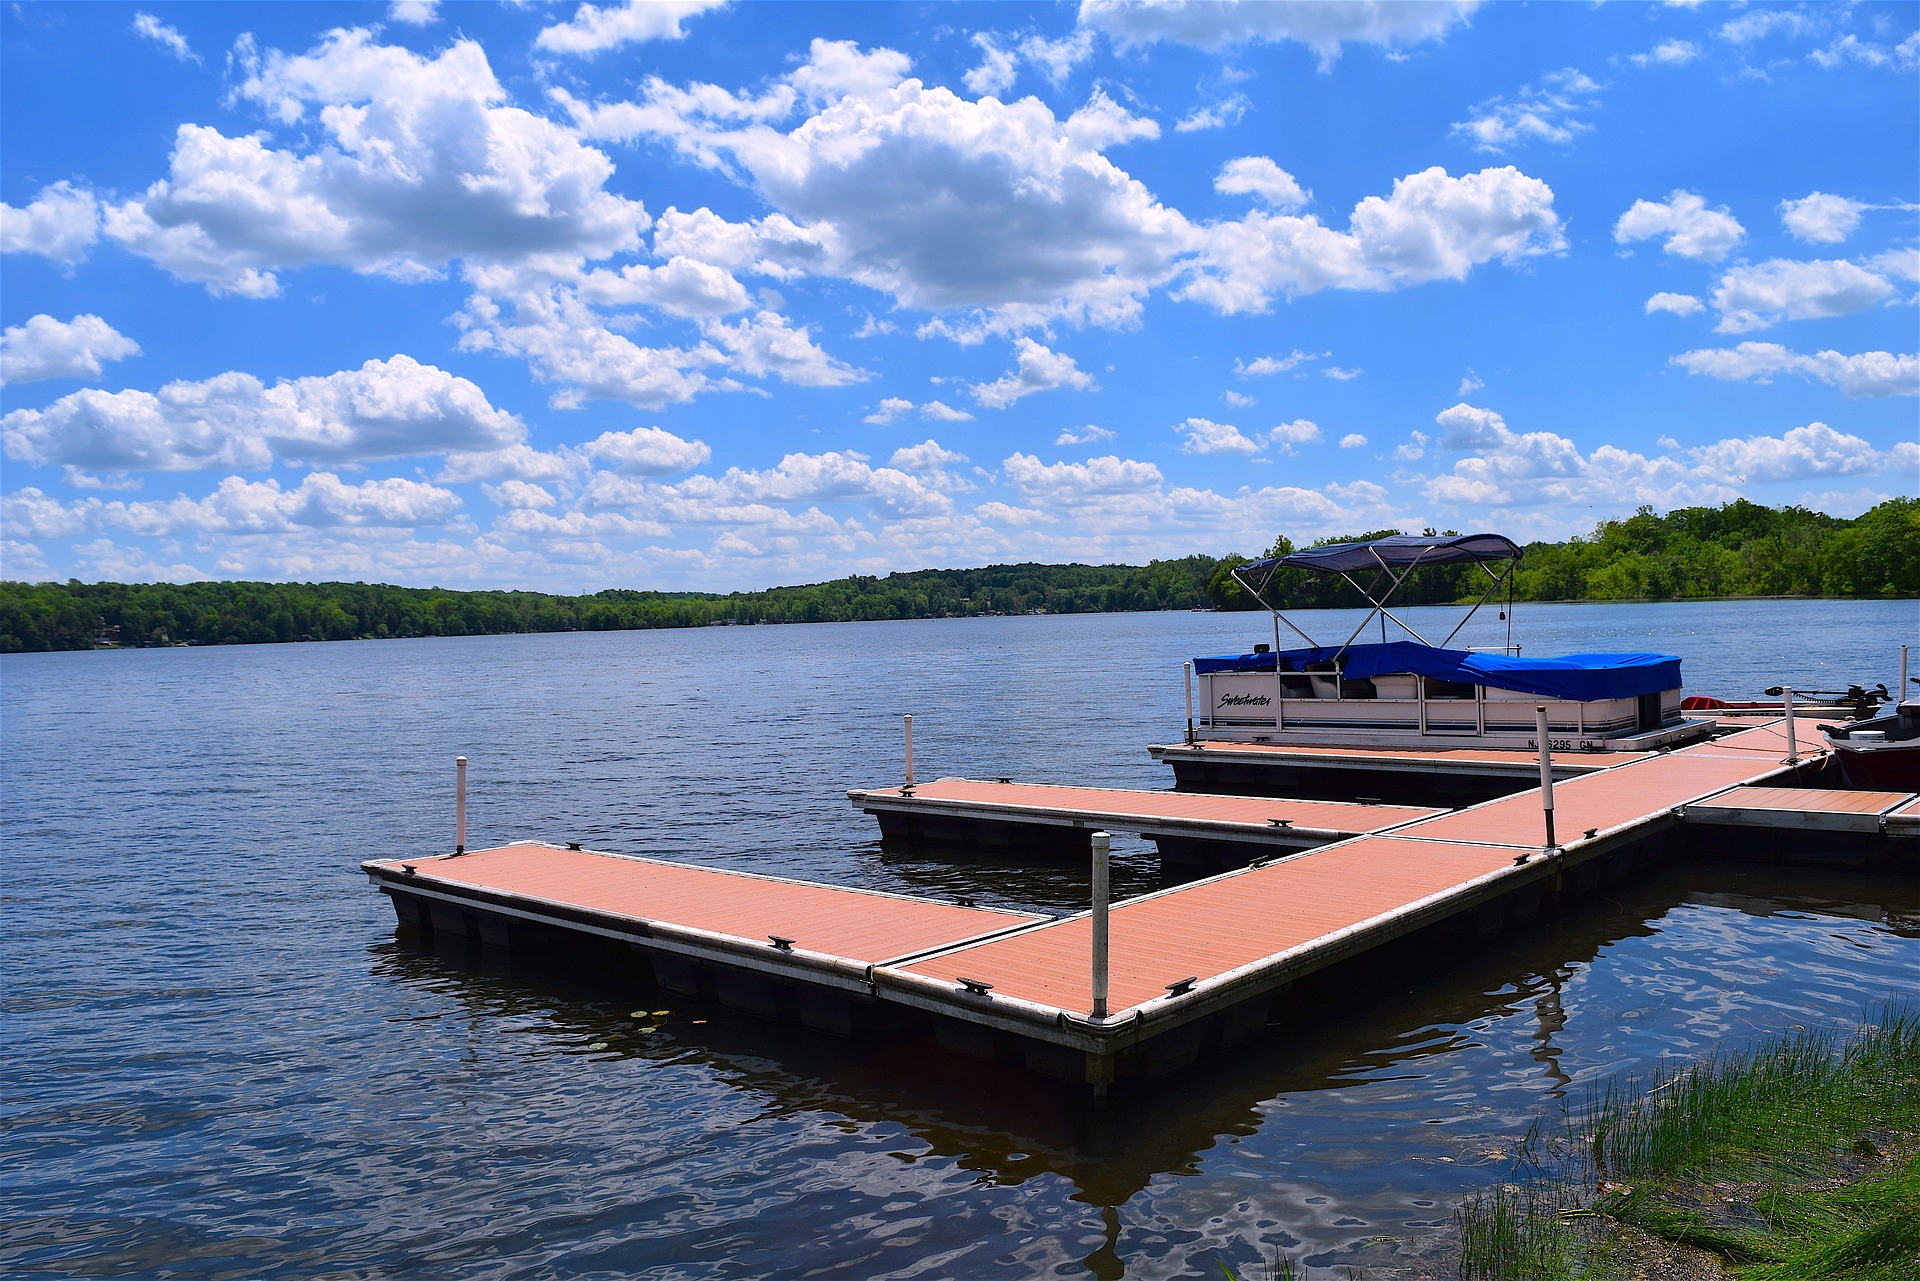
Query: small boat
[
  {"x": 1880, "y": 754},
  {"x": 1414, "y": 692}
]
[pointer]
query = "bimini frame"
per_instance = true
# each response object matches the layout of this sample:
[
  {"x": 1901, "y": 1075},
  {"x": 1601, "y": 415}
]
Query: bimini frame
[{"x": 1391, "y": 560}]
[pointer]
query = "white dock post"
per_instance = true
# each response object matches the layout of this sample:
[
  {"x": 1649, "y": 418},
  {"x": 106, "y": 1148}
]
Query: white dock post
[
  {"x": 1903, "y": 681},
  {"x": 909, "y": 749},
  {"x": 1899, "y": 695},
  {"x": 1786, "y": 703},
  {"x": 1546, "y": 771},
  {"x": 1102, "y": 842},
  {"x": 459, "y": 805}
]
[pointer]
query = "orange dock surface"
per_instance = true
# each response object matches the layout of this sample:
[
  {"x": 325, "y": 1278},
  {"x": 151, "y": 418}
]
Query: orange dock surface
[
  {"x": 1438, "y": 757},
  {"x": 858, "y": 925},
  {"x": 1242, "y": 819},
  {"x": 1198, "y": 954}
]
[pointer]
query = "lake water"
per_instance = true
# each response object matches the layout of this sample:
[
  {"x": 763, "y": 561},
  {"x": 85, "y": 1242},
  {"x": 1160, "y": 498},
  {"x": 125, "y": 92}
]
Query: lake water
[{"x": 220, "y": 1060}]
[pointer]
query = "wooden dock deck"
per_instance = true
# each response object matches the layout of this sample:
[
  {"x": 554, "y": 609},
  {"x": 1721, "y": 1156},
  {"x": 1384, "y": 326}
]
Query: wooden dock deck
[
  {"x": 1192, "y": 967},
  {"x": 976, "y": 813},
  {"x": 1442, "y": 772}
]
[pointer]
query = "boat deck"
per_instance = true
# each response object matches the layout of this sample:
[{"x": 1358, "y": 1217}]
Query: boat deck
[{"x": 1263, "y": 822}]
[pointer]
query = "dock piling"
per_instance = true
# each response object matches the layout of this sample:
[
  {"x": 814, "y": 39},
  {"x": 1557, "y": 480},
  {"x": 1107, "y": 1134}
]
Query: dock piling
[
  {"x": 1899, "y": 697},
  {"x": 1546, "y": 772},
  {"x": 1903, "y": 684},
  {"x": 909, "y": 749},
  {"x": 1102, "y": 842},
  {"x": 1786, "y": 705},
  {"x": 459, "y": 805}
]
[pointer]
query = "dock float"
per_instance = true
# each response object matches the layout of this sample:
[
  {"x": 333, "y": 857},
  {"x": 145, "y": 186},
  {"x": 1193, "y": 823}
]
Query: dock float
[
  {"x": 978, "y": 814},
  {"x": 1189, "y": 971},
  {"x": 1441, "y": 774}
]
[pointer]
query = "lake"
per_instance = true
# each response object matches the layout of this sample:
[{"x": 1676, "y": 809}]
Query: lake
[{"x": 221, "y": 1060}]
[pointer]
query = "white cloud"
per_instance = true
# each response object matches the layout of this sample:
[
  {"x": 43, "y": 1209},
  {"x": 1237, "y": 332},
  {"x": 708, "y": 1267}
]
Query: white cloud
[
  {"x": 1850, "y": 48},
  {"x": 1470, "y": 382},
  {"x": 1691, "y": 229},
  {"x": 1757, "y": 297},
  {"x": 597, "y": 28},
  {"x": 1237, "y": 400},
  {"x": 741, "y": 495},
  {"x": 1678, "y": 304},
  {"x": 1040, "y": 369},
  {"x": 1341, "y": 375},
  {"x": 1353, "y": 440},
  {"x": 1668, "y": 53},
  {"x": 148, "y": 27},
  {"x": 519, "y": 494},
  {"x": 1432, "y": 227},
  {"x": 423, "y": 164},
  {"x": 1227, "y": 112},
  {"x": 1821, "y": 219},
  {"x": 1800, "y": 454},
  {"x": 414, "y": 13},
  {"x": 1903, "y": 263},
  {"x": 1537, "y": 113},
  {"x": 385, "y": 409},
  {"x": 1300, "y": 431},
  {"x": 1259, "y": 176},
  {"x": 1069, "y": 483},
  {"x": 1204, "y": 436},
  {"x": 1087, "y": 435},
  {"x": 1467, "y": 427},
  {"x": 928, "y": 458},
  {"x": 1056, "y": 59},
  {"x": 1104, "y": 123},
  {"x": 320, "y": 501},
  {"x": 646, "y": 451},
  {"x": 1324, "y": 28},
  {"x": 1872, "y": 373},
  {"x": 61, "y": 223},
  {"x": 49, "y": 348},
  {"x": 1763, "y": 22},
  {"x": 996, "y": 71},
  {"x": 1262, "y": 366},
  {"x": 766, "y": 343},
  {"x": 893, "y": 408}
]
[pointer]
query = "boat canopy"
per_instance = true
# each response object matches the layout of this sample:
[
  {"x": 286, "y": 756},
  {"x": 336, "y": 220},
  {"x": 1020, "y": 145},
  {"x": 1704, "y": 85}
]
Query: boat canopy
[
  {"x": 1390, "y": 560},
  {"x": 1580, "y": 677}
]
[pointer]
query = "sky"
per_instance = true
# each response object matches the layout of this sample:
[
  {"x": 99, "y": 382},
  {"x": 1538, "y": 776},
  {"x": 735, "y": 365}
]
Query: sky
[{"x": 696, "y": 295}]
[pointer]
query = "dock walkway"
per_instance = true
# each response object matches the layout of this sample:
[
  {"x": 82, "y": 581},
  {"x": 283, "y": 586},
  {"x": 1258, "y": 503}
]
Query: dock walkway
[
  {"x": 974, "y": 812},
  {"x": 1188, "y": 964}
]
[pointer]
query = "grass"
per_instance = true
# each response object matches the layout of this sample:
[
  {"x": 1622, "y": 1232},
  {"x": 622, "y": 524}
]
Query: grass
[{"x": 1798, "y": 1160}]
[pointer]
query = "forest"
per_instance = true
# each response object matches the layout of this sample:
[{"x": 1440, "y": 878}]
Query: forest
[{"x": 1740, "y": 549}]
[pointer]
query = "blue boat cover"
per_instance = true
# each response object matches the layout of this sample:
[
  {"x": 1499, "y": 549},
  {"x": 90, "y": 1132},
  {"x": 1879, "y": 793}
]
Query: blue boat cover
[
  {"x": 1399, "y": 550},
  {"x": 1582, "y": 677}
]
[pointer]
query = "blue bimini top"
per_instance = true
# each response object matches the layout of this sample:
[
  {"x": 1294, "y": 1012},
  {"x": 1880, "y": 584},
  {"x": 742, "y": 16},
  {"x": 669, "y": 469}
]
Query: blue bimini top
[{"x": 1580, "y": 677}]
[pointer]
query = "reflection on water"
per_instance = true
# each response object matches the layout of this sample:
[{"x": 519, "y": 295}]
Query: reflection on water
[{"x": 222, "y": 1058}]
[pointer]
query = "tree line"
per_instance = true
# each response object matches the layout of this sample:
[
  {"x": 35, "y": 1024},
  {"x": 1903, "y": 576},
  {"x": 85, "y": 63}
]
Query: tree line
[{"x": 1740, "y": 549}]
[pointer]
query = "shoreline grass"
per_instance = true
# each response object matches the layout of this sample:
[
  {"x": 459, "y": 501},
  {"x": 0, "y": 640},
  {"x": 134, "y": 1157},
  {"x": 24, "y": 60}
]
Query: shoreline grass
[{"x": 1798, "y": 1158}]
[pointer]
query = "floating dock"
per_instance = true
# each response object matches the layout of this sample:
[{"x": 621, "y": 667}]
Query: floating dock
[
  {"x": 1192, "y": 969},
  {"x": 1442, "y": 774},
  {"x": 977, "y": 814}
]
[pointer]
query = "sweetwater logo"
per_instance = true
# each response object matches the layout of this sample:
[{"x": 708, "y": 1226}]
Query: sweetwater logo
[{"x": 1245, "y": 700}]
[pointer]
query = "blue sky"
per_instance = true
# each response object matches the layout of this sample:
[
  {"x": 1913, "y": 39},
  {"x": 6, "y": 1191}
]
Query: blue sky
[{"x": 728, "y": 295}]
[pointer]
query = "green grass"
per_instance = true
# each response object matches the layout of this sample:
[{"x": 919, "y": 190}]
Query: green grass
[{"x": 1772, "y": 1159}]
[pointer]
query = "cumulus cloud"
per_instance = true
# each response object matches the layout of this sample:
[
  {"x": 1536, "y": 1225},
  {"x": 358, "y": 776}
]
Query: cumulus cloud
[
  {"x": 996, "y": 71},
  {"x": 414, "y": 13},
  {"x": 1668, "y": 53},
  {"x": 1323, "y": 28},
  {"x": 49, "y": 348},
  {"x": 1871, "y": 373},
  {"x": 1288, "y": 436},
  {"x": 1237, "y": 400},
  {"x": 1204, "y": 436},
  {"x": 321, "y": 501},
  {"x": 597, "y": 28},
  {"x": 1039, "y": 369},
  {"x": 1069, "y": 483},
  {"x": 1087, "y": 435},
  {"x": 1851, "y": 49},
  {"x": 1341, "y": 375},
  {"x": 520, "y": 494},
  {"x": 1678, "y": 304},
  {"x": 61, "y": 223},
  {"x": 1263, "y": 366},
  {"x": 1691, "y": 229},
  {"x": 1104, "y": 123},
  {"x": 1353, "y": 440},
  {"x": 1260, "y": 177},
  {"x": 893, "y": 408},
  {"x": 148, "y": 27},
  {"x": 1760, "y": 296},
  {"x": 424, "y": 163},
  {"x": 1432, "y": 227},
  {"x": 1821, "y": 219},
  {"x": 645, "y": 451},
  {"x": 385, "y": 409},
  {"x": 1537, "y": 113}
]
